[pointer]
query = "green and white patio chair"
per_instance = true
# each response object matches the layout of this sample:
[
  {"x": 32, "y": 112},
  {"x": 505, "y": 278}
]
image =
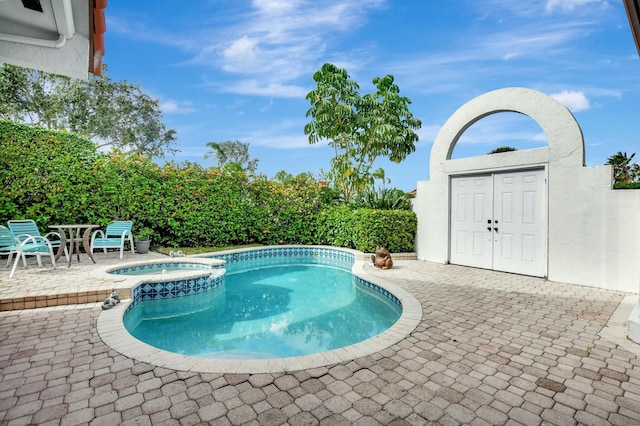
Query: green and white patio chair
[
  {"x": 24, "y": 228},
  {"x": 115, "y": 236},
  {"x": 31, "y": 245}
]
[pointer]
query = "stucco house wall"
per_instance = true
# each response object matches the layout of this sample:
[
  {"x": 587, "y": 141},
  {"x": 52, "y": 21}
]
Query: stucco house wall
[{"x": 593, "y": 231}]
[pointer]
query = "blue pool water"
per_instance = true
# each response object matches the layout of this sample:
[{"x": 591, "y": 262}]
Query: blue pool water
[{"x": 274, "y": 311}]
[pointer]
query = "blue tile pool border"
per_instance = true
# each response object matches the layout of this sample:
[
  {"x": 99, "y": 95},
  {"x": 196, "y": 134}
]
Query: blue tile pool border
[{"x": 269, "y": 256}]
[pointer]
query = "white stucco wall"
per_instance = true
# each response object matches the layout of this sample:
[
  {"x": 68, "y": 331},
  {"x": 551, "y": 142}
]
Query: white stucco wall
[
  {"x": 593, "y": 231},
  {"x": 70, "y": 60}
]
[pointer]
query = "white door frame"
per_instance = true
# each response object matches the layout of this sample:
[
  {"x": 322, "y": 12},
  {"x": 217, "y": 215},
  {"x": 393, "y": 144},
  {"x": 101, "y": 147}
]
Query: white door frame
[{"x": 543, "y": 265}]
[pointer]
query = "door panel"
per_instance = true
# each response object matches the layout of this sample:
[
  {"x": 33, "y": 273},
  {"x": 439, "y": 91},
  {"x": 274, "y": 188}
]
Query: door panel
[
  {"x": 498, "y": 221},
  {"x": 471, "y": 205},
  {"x": 520, "y": 220}
]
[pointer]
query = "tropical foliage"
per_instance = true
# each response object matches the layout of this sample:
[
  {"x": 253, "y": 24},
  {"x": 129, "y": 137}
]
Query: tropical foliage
[
  {"x": 59, "y": 177},
  {"x": 117, "y": 115},
  {"x": 360, "y": 129},
  {"x": 383, "y": 199},
  {"x": 502, "y": 149},
  {"x": 624, "y": 171},
  {"x": 233, "y": 154}
]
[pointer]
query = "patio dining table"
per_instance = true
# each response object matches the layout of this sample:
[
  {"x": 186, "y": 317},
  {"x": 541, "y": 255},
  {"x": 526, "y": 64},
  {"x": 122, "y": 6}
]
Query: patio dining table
[{"x": 74, "y": 235}]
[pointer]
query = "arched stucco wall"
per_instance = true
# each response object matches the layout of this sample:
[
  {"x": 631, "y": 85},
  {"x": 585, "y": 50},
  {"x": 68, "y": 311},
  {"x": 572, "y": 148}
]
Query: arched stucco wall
[
  {"x": 564, "y": 135},
  {"x": 593, "y": 231}
]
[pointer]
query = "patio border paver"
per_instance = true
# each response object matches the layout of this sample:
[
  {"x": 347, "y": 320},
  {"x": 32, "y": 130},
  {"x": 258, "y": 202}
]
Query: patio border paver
[{"x": 491, "y": 348}]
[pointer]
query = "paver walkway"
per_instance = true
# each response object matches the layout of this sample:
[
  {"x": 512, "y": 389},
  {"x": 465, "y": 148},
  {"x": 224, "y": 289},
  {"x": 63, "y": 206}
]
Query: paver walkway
[{"x": 491, "y": 349}]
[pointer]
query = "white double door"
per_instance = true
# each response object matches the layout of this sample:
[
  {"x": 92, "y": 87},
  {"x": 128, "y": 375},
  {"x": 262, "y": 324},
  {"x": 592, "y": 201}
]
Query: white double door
[{"x": 499, "y": 221}]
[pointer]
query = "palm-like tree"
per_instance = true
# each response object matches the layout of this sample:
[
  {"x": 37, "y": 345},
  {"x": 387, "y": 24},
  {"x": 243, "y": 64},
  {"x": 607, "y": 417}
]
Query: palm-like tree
[
  {"x": 380, "y": 174},
  {"x": 623, "y": 170},
  {"x": 232, "y": 152}
]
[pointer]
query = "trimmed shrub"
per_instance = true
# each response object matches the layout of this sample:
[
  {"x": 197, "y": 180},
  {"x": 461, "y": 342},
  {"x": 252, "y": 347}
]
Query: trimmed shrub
[
  {"x": 57, "y": 177},
  {"x": 623, "y": 185},
  {"x": 366, "y": 229},
  {"x": 44, "y": 174}
]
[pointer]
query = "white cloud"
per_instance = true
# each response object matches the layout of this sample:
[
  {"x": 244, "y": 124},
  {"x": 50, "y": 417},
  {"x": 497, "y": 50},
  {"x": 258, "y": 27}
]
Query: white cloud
[
  {"x": 177, "y": 107},
  {"x": 262, "y": 88},
  {"x": 283, "y": 134},
  {"x": 569, "y": 5},
  {"x": 428, "y": 133},
  {"x": 275, "y": 6},
  {"x": 283, "y": 142},
  {"x": 531, "y": 41},
  {"x": 268, "y": 106},
  {"x": 282, "y": 41},
  {"x": 241, "y": 53},
  {"x": 575, "y": 101}
]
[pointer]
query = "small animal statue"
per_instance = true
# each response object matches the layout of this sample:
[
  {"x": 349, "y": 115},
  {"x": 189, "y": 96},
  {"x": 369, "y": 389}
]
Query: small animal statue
[
  {"x": 382, "y": 258},
  {"x": 111, "y": 301}
]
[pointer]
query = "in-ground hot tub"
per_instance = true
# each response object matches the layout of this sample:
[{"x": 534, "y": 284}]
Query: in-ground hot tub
[{"x": 161, "y": 267}]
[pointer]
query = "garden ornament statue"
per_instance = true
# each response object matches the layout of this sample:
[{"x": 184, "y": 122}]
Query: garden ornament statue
[
  {"x": 382, "y": 258},
  {"x": 111, "y": 301}
]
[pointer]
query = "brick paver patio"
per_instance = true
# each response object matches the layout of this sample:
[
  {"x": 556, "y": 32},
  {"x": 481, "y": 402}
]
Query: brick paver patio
[{"x": 491, "y": 349}]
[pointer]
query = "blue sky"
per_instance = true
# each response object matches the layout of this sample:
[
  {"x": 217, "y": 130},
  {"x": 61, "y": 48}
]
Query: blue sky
[{"x": 239, "y": 69}]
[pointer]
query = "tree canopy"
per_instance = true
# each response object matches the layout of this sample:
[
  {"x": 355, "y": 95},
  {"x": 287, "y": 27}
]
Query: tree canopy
[
  {"x": 624, "y": 171},
  {"x": 109, "y": 113},
  {"x": 232, "y": 153},
  {"x": 500, "y": 149},
  {"x": 359, "y": 128}
]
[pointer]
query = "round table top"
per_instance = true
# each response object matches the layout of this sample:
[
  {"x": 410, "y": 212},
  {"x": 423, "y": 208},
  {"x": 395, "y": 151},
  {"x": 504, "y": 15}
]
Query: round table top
[{"x": 74, "y": 226}]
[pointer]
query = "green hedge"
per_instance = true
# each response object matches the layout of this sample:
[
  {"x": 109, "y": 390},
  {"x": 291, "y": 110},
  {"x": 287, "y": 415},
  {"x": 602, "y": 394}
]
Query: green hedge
[
  {"x": 367, "y": 229},
  {"x": 622, "y": 185},
  {"x": 57, "y": 177},
  {"x": 42, "y": 173}
]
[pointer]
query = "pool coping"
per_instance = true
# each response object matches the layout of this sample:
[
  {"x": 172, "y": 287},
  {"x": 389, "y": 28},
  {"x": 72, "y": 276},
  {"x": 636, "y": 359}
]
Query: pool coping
[
  {"x": 110, "y": 326},
  {"x": 125, "y": 284}
]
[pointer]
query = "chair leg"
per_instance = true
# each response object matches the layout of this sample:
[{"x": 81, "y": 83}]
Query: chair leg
[
  {"x": 66, "y": 253},
  {"x": 15, "y": 265},
  {"x": 39, "y": 258}
]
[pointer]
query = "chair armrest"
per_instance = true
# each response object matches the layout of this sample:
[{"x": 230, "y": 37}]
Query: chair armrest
[
  {"x": 96, "y": 235},
  {"x": 33, "y": 241},
  {"x": 54, "y": 234},
  {"x": 22, "y": 237}
]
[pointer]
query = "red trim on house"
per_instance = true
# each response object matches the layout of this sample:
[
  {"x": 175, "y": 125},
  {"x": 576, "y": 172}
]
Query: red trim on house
[
  {"x": 97, "y": 28},
  {"x": 633, "y": 13}
]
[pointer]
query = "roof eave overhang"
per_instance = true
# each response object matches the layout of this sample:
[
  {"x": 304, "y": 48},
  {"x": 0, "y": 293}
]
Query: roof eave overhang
[
  {"x": 633, "y": 13},
  {"x": 97, "y": 27}
]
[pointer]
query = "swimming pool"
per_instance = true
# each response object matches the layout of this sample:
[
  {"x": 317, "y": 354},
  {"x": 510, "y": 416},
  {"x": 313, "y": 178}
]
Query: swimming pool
[
  {"x": 269, "y": 312},
  {"x": 251, "y": 358}
]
